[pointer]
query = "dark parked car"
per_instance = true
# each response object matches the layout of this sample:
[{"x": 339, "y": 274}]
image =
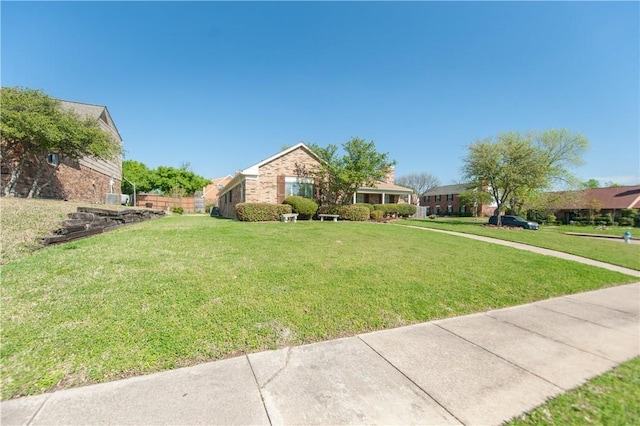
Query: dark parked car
[{"x": 514, "y": 221}]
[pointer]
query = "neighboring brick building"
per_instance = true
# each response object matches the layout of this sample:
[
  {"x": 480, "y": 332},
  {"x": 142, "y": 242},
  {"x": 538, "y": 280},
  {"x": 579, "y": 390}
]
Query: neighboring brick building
[
  {"x": 570, "y": 204},
  {"x": 211, "y": 191},
  {"x": 86, "y": 179},
  {"x": 445, "y": 200},
  {"x": 274, "y": 179}
]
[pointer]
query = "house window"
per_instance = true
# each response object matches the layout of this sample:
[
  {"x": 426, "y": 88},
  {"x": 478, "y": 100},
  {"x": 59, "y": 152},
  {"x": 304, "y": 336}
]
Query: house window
[
  {"x": 360, "y": 198},
  {"x": 438, "y": 209},
  {"x": 463, "y": 208},
  {"x": 449, "y": 208},
  {"x": 438, "y": 197},
  {"x": 298, "y": 186},
  {"x": 428, "y": 210},
  {"x": 426, "y": 198},
  {"x": 449, "y": 197},
  {"x": 389, "y": 199},
  {"x": 52, "y": 159}
]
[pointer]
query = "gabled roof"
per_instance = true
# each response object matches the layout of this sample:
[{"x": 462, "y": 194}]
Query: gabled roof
[
  {"x": 96, "y": 112},
  {"x": 386, "y": 187},
  {"x": 622, "y": 197},
  {"x": 254, "y": 170},
  {"x": 448, "y": 189}
]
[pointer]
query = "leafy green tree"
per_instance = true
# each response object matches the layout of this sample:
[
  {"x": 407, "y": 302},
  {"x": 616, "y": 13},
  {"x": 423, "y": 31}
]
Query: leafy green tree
[
  {"x": 137, "y": 173},
  {"x": 178, "y": 182},
  {"x": 338, "y": 177},
  {"x": 514, "y": 167},
  {"x": 419, "y": 182},
  {"x": 33, "y": 125},
  {"x": 591, "y": 184}
]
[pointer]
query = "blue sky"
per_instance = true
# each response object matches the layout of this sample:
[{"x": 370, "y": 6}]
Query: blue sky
[{"x": 224, "y": 85}]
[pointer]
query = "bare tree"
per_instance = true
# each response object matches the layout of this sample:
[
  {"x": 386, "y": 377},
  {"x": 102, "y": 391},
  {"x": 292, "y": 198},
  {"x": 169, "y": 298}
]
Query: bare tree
[{"x": 419, "y": 182}]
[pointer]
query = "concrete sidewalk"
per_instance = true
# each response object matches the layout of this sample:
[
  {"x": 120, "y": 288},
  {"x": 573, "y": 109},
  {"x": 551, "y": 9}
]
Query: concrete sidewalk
[{"x": 477, "y": 369}]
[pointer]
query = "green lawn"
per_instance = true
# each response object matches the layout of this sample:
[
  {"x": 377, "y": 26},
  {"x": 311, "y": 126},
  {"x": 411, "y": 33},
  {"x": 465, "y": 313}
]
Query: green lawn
[
  {"x": 610, "y": 399},
  {"x": 550, "y": 237},
  {"x": 183, "y": 290}
]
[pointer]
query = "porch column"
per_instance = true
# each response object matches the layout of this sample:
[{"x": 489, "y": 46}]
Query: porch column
[
  {"x": 355, "y": 198},
  {"x": 383, "y": 196}
]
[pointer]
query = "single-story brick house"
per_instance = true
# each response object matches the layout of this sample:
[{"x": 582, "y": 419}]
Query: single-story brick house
[
  {"x": 445, "y": 200},
  {"x": 274, "y": 179},
  {"x": 570, "y": 204},
  {"x": 86, "y": 179}
]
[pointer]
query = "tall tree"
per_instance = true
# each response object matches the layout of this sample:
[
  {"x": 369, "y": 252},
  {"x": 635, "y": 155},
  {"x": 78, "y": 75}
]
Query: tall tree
[
  {"x": 513, "y": 167},
  {"x": 591, "y": 184},
  {"x": 33, "y": 125},
  {"x": 419, "y": 182},
  {"x": 338, "y": 177},
  {"x": 138, "y": 173}
]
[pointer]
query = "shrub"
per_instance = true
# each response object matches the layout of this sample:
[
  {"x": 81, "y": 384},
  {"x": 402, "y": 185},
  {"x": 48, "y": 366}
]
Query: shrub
[
  {"x": 329, "y": 209},
  {"x": 432, "y": 216},
  {"x": 305, "y": 207},
  {"x": 261, "y": 212},
  {"x": 625, "y": 221},
  {"x": 387, "y": 209},
  {"x": 551, "y": 219},
  {"x": 406, "y": 210},
  {"x": 356, "y": 213},
  {"x": 606, "y": 220},
  {"x": 207, "y": 207},
  {"x": 367, "y": 205},
  {"x": 629, "y": 213},
  {"x": 177, "y": 210},
  {"x": 376, "y": 214}
]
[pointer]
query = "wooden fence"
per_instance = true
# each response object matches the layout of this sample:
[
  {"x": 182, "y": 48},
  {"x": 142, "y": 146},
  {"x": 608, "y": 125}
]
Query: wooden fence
[{"x": 161, "y": 202}]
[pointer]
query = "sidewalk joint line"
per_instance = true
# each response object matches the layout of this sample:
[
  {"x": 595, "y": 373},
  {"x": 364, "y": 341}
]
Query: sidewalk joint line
[
  {"x": 501, "y": 357},
  {"x": 264, "y": 405},
  {"x": 39, "y": 409},
  {"x": 585, "y": 320},
  {"x": 554, "y": 340},
  {"x": 411, "y": 380}
]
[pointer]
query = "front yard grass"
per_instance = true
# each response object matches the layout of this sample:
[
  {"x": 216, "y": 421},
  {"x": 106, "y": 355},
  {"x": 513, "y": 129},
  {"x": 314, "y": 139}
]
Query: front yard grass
[
  {"x": 610, "y": 399},
  {"x": 550, "y": 237},
  {"x": 181, "y": 290}
]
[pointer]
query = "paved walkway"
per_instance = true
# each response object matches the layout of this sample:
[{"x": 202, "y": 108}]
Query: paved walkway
[{"x": 476, "y": 369}]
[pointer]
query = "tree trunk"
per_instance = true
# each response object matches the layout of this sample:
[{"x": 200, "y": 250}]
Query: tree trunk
[
  {"x": 47, "y": 182},
  {"x": 34, "y": 184},
  {"x": 16, "y": 171}
]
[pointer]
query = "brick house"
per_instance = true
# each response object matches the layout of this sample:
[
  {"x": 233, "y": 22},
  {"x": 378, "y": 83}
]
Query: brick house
[
  {"x": 385, "y": 192},
  {"x": 274, "y": 179},
  {"x": 269, "y": 181},
  {"x": 445, "y": 200},
  {"x": 86, "y": 179},
  {"x": 571, "y": 204}
]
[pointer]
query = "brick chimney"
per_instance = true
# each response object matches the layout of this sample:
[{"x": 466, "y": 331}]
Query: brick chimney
[{"x": 390, "y": 177}]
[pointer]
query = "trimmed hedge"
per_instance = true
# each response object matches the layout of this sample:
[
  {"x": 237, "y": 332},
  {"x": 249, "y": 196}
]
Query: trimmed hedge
[
  {"x": 367, "y": 205},
  {"x": 377, "y": 215},
  {"x": 355, "y": 213},
  {"x": 347, "y": 212},
  {"x": 400, "y": 210},
  {"x": 261, "y": 212},
  {"x": 305, "y": 207}
]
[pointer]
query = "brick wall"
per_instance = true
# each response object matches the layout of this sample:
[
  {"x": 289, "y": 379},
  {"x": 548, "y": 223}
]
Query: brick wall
[{"x": 72, "y": 182}]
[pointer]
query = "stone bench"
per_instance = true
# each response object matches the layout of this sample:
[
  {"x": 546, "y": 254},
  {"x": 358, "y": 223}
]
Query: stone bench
[
  {"x": 288, "y": 217},
  {"x": 332, "y": 216}
]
